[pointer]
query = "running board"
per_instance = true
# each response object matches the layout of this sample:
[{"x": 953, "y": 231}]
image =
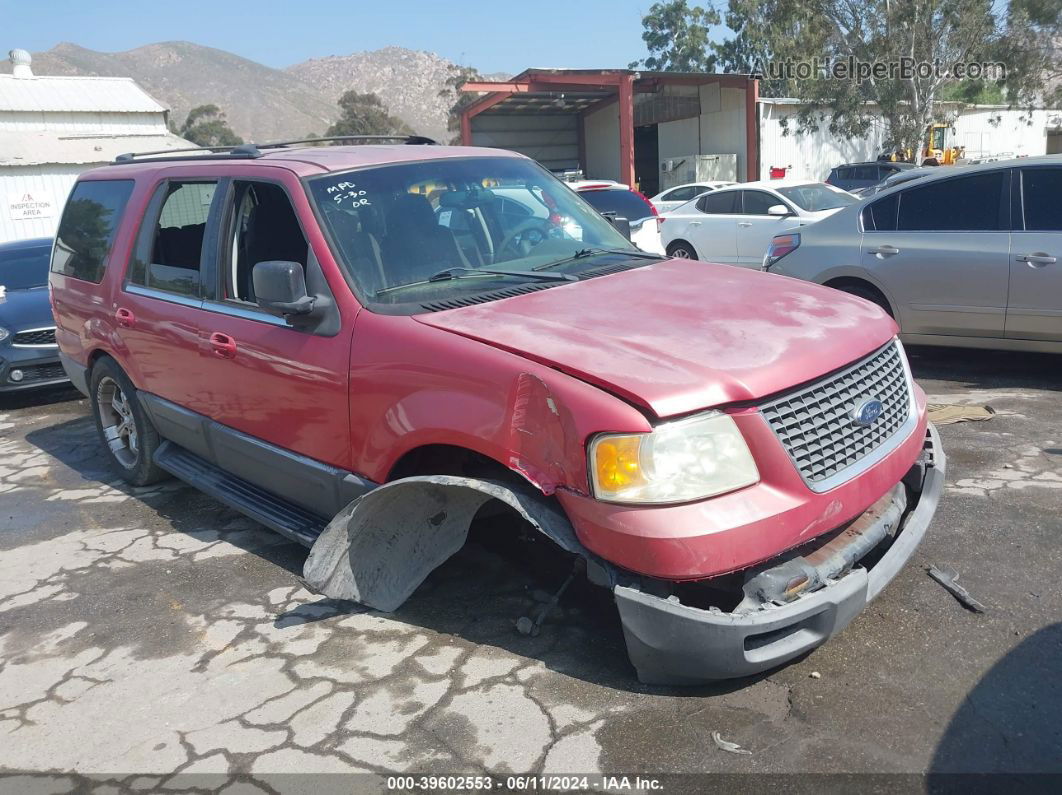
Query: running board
[{"x": 290, "y": 520}]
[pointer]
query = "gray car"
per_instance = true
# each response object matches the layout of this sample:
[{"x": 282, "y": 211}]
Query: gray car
[{"x": 966, "y": 256}]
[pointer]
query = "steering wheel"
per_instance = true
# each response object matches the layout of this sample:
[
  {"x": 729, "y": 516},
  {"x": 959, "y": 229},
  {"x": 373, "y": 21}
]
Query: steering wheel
[{"x": 522, "y": 246}]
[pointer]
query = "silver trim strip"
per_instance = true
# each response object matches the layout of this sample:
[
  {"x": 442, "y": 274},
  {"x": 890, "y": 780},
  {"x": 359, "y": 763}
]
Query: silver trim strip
[
  {"x": 14, "y": 335},
  {"x": 233, "y": 310},
  {"x": 162, "y": 295}
]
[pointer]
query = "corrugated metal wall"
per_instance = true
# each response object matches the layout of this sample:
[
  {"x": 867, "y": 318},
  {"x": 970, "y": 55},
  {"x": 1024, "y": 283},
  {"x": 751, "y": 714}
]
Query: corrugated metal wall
[
  {"x": 51, "y": 183},
  {"x": 551, "y": 139}
]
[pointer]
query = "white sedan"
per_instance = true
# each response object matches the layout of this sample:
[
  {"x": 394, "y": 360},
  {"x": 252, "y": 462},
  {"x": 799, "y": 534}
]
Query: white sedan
[
  {"x": 680, "y": 194},
  {"x": 735, "y": 225}
]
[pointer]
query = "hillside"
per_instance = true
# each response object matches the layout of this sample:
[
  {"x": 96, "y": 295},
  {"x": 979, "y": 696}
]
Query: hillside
[
  {"x": 262, "y": 103},
  {"x": 407, "y": 81},
  {"x": 259, "y": 102}
]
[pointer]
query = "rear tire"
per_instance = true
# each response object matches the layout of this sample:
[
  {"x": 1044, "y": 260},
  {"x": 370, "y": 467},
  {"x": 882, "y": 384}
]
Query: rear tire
[
  {"x": 680, "y": 249},
  {"x": 124, "y": 428},
  {"x": 867, "y": 293}
]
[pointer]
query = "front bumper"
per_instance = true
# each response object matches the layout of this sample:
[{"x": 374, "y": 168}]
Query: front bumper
[
  {"x": 39, "y": 367},
  {"x": 672, "y": 643}
]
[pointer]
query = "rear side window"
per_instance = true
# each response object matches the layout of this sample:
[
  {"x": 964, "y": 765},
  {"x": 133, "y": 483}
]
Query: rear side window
[
  {"x": 881, "y": 215},
  {"x": 720, "y": 203},
  {"x": 965, "y": 204},
  {"x": 865, "y": 173},
  {"x": 1041, "y": 191},
  {"x": 86, "y": 231},
  {"x": 683, "y": 194},
  {"x": 623, "y": 203},
  {"x": 842, "y": 173},
  {"x": 170, "y": 251}
]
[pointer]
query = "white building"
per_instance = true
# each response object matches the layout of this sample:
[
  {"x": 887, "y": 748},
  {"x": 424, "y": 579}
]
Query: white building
[
  {"x": 986, "y": 131},
  {"x": 54, "y": 128}
]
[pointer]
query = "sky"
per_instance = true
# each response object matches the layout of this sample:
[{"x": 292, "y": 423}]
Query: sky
[{"x": 493, "y": 36}]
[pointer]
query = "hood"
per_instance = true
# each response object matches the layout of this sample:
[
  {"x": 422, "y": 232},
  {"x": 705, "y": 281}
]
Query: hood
[
  {"x": 680, "y": 335},
  {"x": 23, "y": 309}
]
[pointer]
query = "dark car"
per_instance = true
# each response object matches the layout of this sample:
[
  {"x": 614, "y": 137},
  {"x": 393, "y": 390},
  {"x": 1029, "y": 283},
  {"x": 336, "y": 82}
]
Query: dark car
[
  {"x": 851, "y": 176},
  {"x": 28, "y": 354}
]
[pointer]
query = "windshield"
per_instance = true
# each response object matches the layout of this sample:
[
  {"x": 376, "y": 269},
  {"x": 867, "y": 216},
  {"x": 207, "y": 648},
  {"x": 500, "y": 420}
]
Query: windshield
[
  {"x": 816, "y": 196},
  {"x": 396, "y": 226},
  {"x": 22, "y": 269}
]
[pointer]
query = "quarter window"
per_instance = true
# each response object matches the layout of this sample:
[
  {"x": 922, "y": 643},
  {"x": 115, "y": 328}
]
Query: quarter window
[
  {"x": 86, "y": 231},
  {"x": 972, "y": 203},
  {"x": 1041, "y": 190}
]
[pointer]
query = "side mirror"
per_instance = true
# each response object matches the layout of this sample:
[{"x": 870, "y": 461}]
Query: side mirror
[
  {"x": 281, "y": 287},
  {"x": 778, "y": 210}
]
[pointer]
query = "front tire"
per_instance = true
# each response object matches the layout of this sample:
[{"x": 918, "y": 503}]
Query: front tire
[
  {"x": 680, "y": 249},
  {"x": 123, "y": 425}
]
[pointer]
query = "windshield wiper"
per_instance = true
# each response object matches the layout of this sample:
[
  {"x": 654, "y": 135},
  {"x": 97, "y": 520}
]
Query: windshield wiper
[
  {"x": 461, "y": 273},
  {"x": 464, "y": 273},
  {"x": 593, "y": 252}
]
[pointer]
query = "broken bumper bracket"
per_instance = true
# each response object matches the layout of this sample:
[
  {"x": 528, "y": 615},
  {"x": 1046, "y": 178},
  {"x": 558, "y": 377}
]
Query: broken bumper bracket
[{"x": 675, "y": 644}]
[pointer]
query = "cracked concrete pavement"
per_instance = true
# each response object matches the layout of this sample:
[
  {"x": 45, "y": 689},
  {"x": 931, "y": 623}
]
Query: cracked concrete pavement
[{"x": 152, "y": 638}]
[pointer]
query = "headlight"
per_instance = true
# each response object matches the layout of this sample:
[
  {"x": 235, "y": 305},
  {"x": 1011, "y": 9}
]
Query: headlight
[
  {"x": 677, "y": 462},
  {"x": 4, "y": 333}
]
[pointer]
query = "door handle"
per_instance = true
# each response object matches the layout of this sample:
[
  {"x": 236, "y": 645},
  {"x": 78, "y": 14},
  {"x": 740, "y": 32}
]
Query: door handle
[
  {"x": 744, "y": 223},
  {"x": 885, "y": 251},
  {"x": 223, "y": 345},
  {"x": 125, "y": 318},
  {"x": 1037, "y": 260},
  {"x": 695, "y": 223}
]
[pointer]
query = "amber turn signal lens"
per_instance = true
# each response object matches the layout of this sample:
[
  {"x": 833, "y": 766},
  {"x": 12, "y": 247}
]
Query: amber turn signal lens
[{"x": 616, "y": 462}]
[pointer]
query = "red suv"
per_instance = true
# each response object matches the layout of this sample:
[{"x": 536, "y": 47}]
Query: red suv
[{"x": 360, "y": 346}]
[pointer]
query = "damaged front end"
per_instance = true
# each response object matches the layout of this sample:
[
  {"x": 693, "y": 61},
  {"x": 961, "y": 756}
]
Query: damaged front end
[{"x": 789, "y": 605}]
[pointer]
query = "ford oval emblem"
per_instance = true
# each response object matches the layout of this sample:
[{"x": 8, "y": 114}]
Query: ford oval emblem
[{"x": 866, "y": 413}]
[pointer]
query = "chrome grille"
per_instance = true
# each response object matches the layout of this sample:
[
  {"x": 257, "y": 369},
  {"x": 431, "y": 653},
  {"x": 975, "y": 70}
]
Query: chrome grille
[
  {"x": 815, "y": 423},
  {"x": 34, "y": 337}
]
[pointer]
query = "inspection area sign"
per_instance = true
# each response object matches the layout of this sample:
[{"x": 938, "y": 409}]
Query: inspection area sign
[{"x": 25, "y": 206}]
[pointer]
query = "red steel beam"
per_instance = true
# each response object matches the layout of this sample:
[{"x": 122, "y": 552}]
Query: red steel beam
[
  {"x": 752, "y": 130},
  {"x": 626, "y": 129}
]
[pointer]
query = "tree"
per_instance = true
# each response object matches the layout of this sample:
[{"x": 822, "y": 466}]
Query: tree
[
  {"x": 365, "y": 114},
  {"x": 458, "y": 99},
  {"x": 1031, "y": 46},
  {"x": 805, "y": 47},
  {"x": 676, "y": 35},
  {"x": 206, "y": 126}
]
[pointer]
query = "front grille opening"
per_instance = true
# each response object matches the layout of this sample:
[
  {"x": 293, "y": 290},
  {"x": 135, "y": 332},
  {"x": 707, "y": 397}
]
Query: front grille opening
[
  {"x": 765, "y": 639},
  {"x": 815, "y": 423},
  {"x": 39, "y": 337}
]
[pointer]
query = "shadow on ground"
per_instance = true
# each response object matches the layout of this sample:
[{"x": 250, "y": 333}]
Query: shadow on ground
[
  {"x": 983, "y": 369},
  {"x": 1009, "y": 723},
  {"x": 499, "y": 576}
]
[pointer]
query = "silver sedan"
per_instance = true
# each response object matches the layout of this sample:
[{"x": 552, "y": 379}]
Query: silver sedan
[{"x": 967, "y": 256}]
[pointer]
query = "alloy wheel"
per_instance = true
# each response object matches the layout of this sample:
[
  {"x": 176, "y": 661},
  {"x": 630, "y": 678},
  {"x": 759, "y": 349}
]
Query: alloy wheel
[{"x": 117, "y": 421}]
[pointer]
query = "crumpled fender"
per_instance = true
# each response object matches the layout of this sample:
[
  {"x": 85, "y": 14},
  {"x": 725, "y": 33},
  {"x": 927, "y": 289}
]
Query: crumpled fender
[{"x": 379, "y": 548}]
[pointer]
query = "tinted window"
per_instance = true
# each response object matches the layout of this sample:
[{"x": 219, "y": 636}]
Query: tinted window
[
  {"x": 1041, "y": 190},
  {"x": 842, "y": 173},
  {"x": 23, "y": 268},
  {"x": 725, "y": 202},
  {"x": 888, "y": 171},
  {"x": 816, "y": 196},
  {"x": 757, "y": 202},
  {"x": 964, "y": 204},
  {"x": 681, "y": 194},
  {"x": 265, "y": 227},
  {"x": 865, "y": 173},
  {"x": 881, "y": 215},
  {"x": 175, "y": 251},
  {"x": 624, "y": 203},
  {"x": 86, "y": 231}
]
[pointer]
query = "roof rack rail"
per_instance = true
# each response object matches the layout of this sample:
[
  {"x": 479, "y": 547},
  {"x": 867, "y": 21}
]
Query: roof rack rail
[{"x": 252, "y": 151}]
